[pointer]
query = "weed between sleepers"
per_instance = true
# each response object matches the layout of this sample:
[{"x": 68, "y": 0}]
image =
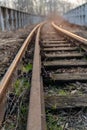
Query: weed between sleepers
[{"x": 67, "y": 119}]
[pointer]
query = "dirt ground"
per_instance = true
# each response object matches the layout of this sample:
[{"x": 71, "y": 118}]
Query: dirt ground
[{"x": 10, "y": 43}]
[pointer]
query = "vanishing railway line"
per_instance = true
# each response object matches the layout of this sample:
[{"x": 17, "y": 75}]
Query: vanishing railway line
[{"x": 58, "y": 95}]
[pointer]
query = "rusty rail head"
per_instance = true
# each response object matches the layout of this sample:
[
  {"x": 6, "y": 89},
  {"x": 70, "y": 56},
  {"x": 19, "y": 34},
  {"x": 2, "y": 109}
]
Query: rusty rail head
[
  {"x": 73, "y": 36},
  {"x": 36, "y": 117},
  {"x": 4, "y": 82}
]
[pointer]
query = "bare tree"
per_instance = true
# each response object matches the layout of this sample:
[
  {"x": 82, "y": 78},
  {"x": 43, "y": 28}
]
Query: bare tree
[{"x": 42, "y": 7}]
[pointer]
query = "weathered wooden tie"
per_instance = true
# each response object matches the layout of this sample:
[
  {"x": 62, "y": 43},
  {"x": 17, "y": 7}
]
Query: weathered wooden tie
[
  {"x": 54, "y": 42},
  {"x": 65, "y": 55},
  {"x": 69, "y": 77},
  {"x": 68, "y": 101},
  {"x": 57, "y": 45},
  {"x": 61, "y": 49},
  {"x": 66, "y": 63}
]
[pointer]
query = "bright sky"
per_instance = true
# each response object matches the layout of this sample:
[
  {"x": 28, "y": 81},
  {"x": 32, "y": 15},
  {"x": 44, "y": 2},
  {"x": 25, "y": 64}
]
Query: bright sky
[
  {"x": 72, "y": 1},
  {"x": 77, "y": 1}
]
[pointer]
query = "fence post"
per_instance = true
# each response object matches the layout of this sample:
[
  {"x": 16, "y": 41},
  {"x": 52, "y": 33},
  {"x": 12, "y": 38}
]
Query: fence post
[{"x": 2, "y": 20}]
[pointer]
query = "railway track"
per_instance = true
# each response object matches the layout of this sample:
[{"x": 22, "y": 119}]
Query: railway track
[
  {"x": 58, "y": 93},
  {"x": 17, "y": 76},
  {"x": 64, "y": 70}
]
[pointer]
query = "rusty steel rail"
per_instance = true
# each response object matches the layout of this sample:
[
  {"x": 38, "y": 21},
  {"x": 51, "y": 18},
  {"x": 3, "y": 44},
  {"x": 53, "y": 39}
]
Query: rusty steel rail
[
  {"x": 81, "y": 40},
  {"x": 7, "y": 77},
  {"x": 6, "y": 80},
  {"x": 36, "y": 117}
]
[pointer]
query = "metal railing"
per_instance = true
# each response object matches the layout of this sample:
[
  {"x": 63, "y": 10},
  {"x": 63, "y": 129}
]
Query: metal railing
[
  {"x": 77, "y": 15},
  {"x": 11, "y": 19}
]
